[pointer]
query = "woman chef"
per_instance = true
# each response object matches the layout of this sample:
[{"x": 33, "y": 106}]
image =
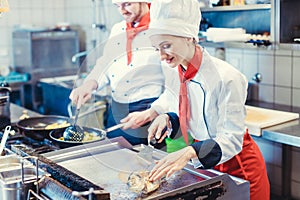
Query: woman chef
[
  {"x": 211, "y": 107},
  {"x": 132, "y": 69}
]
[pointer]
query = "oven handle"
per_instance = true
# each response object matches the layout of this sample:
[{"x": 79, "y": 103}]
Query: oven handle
[{"x": 88, "y": 193}]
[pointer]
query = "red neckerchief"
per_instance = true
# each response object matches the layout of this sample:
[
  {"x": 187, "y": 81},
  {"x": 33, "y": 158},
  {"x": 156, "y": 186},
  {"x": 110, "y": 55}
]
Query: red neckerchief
[
  {"x": 133, "y": 31},
  {"x": 184, "y": 105}
]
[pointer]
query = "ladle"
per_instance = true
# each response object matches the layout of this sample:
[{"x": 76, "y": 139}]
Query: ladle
[
  {"x": 4, "y": 138},
  {"x": 73, "y": 132}
]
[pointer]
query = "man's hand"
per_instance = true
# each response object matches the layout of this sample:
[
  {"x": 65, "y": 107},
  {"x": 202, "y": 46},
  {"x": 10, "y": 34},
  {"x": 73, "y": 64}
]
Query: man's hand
[
  {"x": 83, "y": 93},
  {"x": 137, "y": 119}
]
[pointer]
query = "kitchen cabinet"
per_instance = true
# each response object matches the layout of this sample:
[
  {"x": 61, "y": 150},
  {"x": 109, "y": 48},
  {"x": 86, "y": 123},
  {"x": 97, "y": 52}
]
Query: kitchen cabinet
[
  {"x": 280, "y": 19},
  {"x": 288, "y": 21},
  {"x": 237, "y": 8},
  {"x": 255, "y": 19}
]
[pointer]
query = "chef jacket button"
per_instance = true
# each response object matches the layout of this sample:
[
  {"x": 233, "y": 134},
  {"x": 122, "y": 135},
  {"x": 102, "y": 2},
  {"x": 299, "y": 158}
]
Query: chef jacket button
[
  {"x": 118, "y": 43},
  {"x": 131, "y": 65},
  {"x": 125, "y": 95},
  {"x": 127, "y": 81},
  {"x": 112, "y": 91},
  {"x": 115, "y": 60},
  {"x": 137, "y": 49},
  {"x": 112, "y": 75}
]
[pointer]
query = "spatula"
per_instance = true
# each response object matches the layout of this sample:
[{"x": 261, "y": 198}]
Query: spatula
[{"x": 147, "y": 151}]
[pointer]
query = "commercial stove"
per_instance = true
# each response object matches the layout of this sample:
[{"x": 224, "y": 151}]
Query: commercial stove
[{"x": 100, "y": 170}]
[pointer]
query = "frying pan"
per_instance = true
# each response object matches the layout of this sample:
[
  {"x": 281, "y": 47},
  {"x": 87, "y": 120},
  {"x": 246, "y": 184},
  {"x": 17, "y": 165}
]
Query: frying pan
[
  {"x": 34, "y": 127},
  {"x": 56, "y": 134}
]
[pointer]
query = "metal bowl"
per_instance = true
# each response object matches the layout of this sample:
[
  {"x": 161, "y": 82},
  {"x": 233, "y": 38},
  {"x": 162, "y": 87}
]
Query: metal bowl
[
  {"x": 35, "y": 127},
  {"x": 55, "y": 136}
]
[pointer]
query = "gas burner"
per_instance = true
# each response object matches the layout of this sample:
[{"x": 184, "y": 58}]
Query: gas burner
[{"x": 35, "y": 146}]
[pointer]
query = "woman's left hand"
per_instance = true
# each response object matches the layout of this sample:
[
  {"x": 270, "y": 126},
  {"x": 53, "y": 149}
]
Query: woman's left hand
[
  {"x": 172, "y": 163},
  {"x": 160, "y": 128}
]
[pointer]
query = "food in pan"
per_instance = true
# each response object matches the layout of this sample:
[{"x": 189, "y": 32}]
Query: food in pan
[
  {"x": 138, "y": 182},
  {"x": 57, "y": 125},
  {"x": 87, "y": 137}
]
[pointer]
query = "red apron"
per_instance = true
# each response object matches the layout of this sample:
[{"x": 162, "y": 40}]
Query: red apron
[{"x": 249, "y": 165}]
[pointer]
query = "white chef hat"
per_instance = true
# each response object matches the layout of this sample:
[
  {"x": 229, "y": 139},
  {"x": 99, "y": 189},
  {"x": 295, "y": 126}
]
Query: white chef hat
[
  {"x": 120, "y": 1},
  {"x": 175, "y": 17}
]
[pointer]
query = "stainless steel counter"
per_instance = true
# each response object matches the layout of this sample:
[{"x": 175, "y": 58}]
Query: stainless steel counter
[
  {"x": 288, "y": 135},
  {"x": 17, "y": 111}
]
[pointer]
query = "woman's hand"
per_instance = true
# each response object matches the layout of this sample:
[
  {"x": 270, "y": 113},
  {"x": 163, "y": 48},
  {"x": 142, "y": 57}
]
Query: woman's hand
[
  {"x": 137, "y": 119},
  {"x": 83, "y": 93},
  {"x": 172, "y": 163},
  {"x": 156, "y": 130}
]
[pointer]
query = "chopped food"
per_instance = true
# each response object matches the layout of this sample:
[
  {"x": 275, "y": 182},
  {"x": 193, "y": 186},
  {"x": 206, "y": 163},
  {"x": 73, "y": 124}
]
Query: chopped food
[
  {"x": 57, "y": 125},
  {"x": 138, "y": 182},
  {"x": 87, "y": 137}
]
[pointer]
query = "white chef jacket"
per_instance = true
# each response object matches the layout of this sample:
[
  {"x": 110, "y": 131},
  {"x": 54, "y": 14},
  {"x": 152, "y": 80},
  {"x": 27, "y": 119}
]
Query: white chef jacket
[
  {"x": 141, "y": 79},
  {"x": 217, "y": 96}
]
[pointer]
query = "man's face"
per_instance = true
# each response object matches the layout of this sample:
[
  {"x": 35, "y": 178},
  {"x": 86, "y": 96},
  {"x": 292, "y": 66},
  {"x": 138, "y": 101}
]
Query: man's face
[{"x": 131, "y": 11}]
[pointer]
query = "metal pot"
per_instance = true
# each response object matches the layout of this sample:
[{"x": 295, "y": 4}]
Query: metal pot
[
  {"x": 17, "y": 178},
  {"x": 35, "y": 127},
  {"x": 11, "y": 184},
  {"x": 56, "y": 134}
]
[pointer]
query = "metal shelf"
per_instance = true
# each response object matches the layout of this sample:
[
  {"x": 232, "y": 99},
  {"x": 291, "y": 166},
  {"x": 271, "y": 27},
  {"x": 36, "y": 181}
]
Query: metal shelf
[{"x": 237, "y": 8}]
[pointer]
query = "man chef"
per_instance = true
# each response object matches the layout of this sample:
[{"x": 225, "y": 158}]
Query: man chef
[{"x": 132, "y": 69}]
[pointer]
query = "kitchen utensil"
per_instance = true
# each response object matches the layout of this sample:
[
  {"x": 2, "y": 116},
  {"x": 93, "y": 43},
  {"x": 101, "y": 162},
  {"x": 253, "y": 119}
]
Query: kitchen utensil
[
  {"x": 147, "y": 150},
  {"x": 15, "y": 183},
  {"x": 146, "y": 153},
  {"x": 115, "y": 127},
  {"x": 4, "y": 138},
  {"x": 89, "y": 111},
  {"x": 56, "y": 136},
  {"x": 5, "y": 91},
  {"x": 74, "y": 132},
  {"x": 35, "y": 127}
]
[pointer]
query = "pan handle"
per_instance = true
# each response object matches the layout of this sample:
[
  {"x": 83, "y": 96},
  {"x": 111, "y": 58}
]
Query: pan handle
[{"x": 91, "y": 110}]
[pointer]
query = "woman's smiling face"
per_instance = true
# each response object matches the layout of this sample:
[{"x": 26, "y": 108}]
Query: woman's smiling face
[{"x": 174, "y": 50}]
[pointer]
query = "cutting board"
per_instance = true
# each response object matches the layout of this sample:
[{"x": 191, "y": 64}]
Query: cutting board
[{"x": 260, "y": 118}]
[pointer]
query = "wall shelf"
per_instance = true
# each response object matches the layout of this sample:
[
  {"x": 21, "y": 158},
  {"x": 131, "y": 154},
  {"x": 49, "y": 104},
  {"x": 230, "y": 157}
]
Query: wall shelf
[{"x": 237, "y": 8}]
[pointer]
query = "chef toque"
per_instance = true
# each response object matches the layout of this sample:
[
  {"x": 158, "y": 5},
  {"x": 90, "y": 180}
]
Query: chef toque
[
  {"x": 120, "y": 1},
  {"x": 175, "y": 17}
]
